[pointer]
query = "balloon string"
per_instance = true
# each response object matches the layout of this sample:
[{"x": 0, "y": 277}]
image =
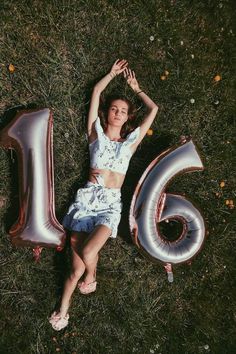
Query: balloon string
[
  {"x": 37, "y": 253},
  {"x": 12, "y": 158},
  {"x": 170, "y": 275}
]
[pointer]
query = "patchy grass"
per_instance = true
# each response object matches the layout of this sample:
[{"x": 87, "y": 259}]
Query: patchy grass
[{"x": 59, "y": 50}]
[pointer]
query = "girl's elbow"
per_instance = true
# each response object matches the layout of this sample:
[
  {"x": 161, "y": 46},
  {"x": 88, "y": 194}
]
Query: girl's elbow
[
  {"x": 155, "y": 108},
  {"x": 96, "y": 90}
]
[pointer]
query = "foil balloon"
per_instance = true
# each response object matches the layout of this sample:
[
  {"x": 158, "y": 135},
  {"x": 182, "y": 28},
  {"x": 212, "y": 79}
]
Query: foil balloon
[
  {"x": 30, "y": 135},
  {"x": 150, "y": 205}
]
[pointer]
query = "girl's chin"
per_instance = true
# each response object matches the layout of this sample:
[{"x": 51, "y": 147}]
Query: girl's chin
[{"x": 117, "y": 123}]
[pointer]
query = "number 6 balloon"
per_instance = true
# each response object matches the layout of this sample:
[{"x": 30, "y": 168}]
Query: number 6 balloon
[
  {"x": 30, "y": 135},
  {"x": 151, "y": 205}
]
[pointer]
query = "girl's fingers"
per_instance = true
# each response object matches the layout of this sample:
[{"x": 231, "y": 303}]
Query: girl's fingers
[
  {"x": 130, "y": 74},
  {"x": 120, "y": 61},
  {"x": 123, "y": 68},
  {"x": 123, "y": 63}
]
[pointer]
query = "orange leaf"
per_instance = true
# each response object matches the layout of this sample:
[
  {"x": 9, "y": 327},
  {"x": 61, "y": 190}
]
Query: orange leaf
[
  {"x": 11, "y": 68},
  {"x": 217, "y": 78},
  {"x": 150, "y": 132},
  {"x": 222, "y": 184}
]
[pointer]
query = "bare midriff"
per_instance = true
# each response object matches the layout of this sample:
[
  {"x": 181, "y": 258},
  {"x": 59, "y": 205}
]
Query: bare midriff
[{"x": 111, "y": 179}]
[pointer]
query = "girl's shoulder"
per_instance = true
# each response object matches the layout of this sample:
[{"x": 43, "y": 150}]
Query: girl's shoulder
[
  {"x": 98, "y": 126},
  {"x": 132, "y": 137}
]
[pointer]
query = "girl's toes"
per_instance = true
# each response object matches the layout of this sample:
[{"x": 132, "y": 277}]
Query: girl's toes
[
  {"x": 60, "y": 323},
  {"x": 54, "y": 317}
]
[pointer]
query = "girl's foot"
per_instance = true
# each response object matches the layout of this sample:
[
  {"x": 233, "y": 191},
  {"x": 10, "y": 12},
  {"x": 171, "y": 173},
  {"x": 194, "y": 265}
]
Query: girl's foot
[
  {"x": 85, "y": 288},
  {"x": 58, "y": 322}
]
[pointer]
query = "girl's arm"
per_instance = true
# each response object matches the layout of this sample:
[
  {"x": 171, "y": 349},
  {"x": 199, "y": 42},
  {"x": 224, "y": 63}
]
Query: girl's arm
[
  {"x": 151, "y": 106},
  {"x": 117, "y": 68}
]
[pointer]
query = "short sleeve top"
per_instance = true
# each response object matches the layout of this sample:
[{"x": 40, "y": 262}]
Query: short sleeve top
[{"x": 111, "y": 155}]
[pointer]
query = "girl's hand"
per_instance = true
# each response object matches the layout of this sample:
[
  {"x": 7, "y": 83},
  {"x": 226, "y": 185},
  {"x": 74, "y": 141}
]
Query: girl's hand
[
  {"x": 118, "y": 67},
  {"x": 129, "y": 75}
]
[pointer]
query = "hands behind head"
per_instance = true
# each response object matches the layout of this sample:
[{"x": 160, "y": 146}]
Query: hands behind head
[{"x": 122, "y": 66}]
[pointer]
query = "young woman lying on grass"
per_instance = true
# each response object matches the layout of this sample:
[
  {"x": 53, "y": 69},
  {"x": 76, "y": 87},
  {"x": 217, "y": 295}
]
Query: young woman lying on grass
[{"x": 95, "y": 214}]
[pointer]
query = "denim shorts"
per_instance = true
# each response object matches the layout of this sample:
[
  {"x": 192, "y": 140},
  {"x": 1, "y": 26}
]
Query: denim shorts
[{"x": 94, "y": 205}]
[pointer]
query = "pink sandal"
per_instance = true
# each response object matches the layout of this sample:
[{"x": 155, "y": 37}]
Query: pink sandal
[
  {"x": 87, "y": 288},
  {"x": 58, "y": 322}
]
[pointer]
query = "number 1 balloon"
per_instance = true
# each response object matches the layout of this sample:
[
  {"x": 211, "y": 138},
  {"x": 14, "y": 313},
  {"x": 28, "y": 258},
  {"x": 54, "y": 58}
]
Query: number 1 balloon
[
  {"x": 30, "y": 135},
  {"x": 150, "y": 205}
]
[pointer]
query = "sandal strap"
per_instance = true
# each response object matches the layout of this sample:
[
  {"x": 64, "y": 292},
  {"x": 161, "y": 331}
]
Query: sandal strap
[{"x": 59, "y": 322}]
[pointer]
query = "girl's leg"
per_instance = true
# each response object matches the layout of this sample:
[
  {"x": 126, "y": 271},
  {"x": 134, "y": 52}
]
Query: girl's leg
[
  {"x": 78, "y": 268},
  {"x": 91, "y": 248},
  {"x": 91, "y": 245}
]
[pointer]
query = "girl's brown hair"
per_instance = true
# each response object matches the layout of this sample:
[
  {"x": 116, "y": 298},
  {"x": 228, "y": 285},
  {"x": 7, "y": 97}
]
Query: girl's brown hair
[{"x": 104, "y": 106}]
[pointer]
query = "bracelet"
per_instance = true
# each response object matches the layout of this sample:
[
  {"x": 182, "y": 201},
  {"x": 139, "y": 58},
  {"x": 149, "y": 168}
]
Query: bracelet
[
  {"x": 139, "y": 92},
  {"x": 112, "y": 74}
]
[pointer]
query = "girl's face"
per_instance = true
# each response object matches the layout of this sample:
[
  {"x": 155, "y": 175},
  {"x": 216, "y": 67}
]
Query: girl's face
[{"x": 118, "y": 113}]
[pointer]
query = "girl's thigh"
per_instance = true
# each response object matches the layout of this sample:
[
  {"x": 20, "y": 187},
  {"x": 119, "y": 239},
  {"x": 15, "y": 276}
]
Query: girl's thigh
[
  {"x": 77, "y": 240},
  {"x": 96, "y": 240}
]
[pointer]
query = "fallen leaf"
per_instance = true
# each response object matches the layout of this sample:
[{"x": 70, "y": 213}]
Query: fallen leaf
[
  {"x": 150, "y": 132},
  {"x": 11, "y": 68},
  {"x": 217, "y": 78}
]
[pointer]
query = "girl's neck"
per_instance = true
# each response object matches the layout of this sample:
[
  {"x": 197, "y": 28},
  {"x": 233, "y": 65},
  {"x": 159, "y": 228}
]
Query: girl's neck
[{"x": 113, "y": 133}]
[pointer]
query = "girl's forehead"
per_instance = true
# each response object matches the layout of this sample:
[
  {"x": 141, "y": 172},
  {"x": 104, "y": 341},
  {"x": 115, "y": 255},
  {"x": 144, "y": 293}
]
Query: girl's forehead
[{"x": 120, "y": 104}]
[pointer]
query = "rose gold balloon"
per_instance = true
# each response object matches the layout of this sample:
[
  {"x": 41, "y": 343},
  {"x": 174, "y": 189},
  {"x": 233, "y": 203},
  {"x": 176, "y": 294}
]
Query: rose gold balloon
[
  {"x": 151, "y": 205},
  {"x": 30, "y": 135}
]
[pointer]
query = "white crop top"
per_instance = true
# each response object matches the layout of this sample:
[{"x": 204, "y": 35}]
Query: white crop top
[{"x": 111, "y": 155}]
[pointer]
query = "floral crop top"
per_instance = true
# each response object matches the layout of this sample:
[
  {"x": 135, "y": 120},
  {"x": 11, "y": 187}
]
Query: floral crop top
[{"x": 111, "y": 155}]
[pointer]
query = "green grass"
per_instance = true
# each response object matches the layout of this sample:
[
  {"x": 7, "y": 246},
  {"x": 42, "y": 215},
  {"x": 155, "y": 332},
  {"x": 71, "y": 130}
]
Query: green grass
[{"x": 59, "y": 50}]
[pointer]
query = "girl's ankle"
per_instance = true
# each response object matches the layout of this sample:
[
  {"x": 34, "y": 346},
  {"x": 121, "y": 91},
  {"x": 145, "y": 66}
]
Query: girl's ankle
[
  {"x": 63, "y": 312},
  {"x": 89, "y": 280}
]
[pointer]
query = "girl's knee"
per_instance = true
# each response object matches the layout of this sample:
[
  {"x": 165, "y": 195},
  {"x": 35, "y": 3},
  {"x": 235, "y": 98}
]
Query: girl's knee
[{"x": 89, "y": 256}]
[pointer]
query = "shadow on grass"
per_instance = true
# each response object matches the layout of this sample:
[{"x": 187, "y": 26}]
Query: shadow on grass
[
  {"x": 62, "y": 265},
  {"x": 145, "y": 154}
]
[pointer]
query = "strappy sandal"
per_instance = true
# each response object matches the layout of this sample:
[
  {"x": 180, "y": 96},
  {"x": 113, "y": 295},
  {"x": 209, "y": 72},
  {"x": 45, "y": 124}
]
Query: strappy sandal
[
  {"x": 58, "y": 322},
  {"x": 87, "y": 288}
]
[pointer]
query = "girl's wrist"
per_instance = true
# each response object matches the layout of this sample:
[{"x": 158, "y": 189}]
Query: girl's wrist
[
  {"x": 112, "y": 74},
  {"x": 138, "y": 91}
]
